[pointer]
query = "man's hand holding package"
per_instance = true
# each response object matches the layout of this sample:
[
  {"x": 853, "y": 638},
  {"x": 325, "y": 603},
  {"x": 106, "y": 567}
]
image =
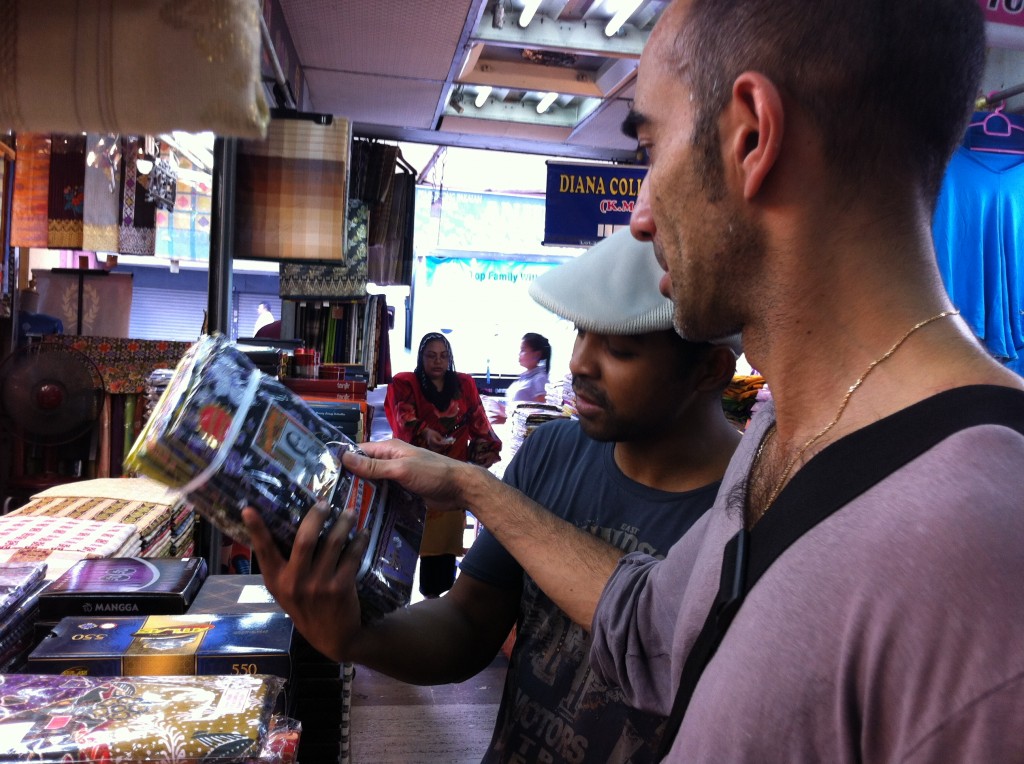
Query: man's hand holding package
[{"x": 316, "y": 585}]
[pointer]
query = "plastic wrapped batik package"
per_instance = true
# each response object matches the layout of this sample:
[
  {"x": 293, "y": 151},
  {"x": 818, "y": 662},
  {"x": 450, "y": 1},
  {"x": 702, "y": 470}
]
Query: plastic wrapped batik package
[
  {"x": 181, "y": 719},
  {"x": 229, "y": 437}
]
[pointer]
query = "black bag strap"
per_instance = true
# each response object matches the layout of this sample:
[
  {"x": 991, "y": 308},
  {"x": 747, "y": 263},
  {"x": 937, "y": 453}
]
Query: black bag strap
[{"x": 830, "y": 480}]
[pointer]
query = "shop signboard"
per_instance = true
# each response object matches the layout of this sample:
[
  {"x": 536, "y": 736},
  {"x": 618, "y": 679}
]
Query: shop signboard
[
  {"x": 484, "y": 307},
  {"x": 587, "y": 202},
  {"x": 1004, "y": 11}
]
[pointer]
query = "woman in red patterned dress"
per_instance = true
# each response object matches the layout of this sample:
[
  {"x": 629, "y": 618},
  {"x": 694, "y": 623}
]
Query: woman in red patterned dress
[{"x": 437, "y": 408}]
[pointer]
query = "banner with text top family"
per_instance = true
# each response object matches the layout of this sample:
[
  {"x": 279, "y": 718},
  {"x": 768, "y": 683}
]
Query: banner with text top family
[{"x": 587, "y": 202}]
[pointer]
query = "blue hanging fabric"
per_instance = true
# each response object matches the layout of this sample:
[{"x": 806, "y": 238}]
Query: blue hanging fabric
[{"x": 978, "y": 228}]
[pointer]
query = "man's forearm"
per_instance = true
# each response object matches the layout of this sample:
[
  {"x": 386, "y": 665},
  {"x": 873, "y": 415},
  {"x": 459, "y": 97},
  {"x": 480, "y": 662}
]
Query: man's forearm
[{"x": 427, "y": 643}]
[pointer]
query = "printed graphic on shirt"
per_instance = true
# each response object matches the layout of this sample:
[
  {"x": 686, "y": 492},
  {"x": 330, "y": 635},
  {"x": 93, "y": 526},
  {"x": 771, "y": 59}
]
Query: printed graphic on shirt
[{"x": 554, "y": 708}]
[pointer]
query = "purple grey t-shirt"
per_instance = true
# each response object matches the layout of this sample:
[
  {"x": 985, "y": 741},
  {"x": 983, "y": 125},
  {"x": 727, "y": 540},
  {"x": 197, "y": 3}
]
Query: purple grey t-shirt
[{"x": 893, "y": 631}]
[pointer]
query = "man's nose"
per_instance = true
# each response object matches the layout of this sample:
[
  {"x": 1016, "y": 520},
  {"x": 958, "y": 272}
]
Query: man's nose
[{"x": 641, "y": 222}]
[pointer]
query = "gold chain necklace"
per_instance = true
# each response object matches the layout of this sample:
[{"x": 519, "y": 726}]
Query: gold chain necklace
[{"x": 842, "y": 407}]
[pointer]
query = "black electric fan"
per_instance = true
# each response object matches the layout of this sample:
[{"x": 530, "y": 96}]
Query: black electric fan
[{"x": 50, "y": 394}]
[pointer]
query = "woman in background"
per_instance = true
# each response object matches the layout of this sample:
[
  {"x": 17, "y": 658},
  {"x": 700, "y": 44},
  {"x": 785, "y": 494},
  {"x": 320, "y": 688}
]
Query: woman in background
[
  {"x": 437, "y": 408},
  {"x": 535, "y": 357}
]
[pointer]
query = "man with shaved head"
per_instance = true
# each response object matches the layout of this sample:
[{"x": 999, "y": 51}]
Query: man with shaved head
[{"x": 855, "y": 593}]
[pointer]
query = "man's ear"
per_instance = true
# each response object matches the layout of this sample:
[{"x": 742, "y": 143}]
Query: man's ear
[
  {"x": 719, "y": 369},
  {"x": 752, "y": 126}
]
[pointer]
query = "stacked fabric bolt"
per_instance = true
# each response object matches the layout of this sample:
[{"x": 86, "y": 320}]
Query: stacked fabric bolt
[
  {"x": 60, "y": 542},
  {"x": 559, "y": 392},
  {"x": 182, "y": 541},
  {"x": 739, "y": 397},
  {"x": 182, "y": 719},
  {"x": 156, "y": 383},
  {"x": 527, "y": 417},
  {"x": 20, "y": 585},
  {"x": 154, "y": 511}
]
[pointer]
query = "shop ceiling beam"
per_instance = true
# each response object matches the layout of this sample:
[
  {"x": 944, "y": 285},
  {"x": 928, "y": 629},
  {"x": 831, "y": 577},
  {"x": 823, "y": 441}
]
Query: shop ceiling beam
[
  {"x": 580, "y": 37},
  {"x": 615, "y": 75},
  {"x": 517, "y": 76}
]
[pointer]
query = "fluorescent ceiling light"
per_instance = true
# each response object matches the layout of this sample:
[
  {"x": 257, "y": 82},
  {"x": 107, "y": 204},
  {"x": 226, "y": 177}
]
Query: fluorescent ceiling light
[
  {"x": 482, "y": 94},
  {"x": 621, "y": 17},
  {"x": 545, "y": 102},
  {"x": 529, "y": 9}
]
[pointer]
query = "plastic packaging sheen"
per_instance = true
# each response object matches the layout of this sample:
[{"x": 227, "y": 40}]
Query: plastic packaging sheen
[{"x": 228, "y": 437}]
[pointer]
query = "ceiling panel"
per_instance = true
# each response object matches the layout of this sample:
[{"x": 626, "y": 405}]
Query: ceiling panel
[
  {"x": 412, "y": 70},
  {"x": 375, "y": 100},
  {"x": 411, "y": 38},
  {"x": 515, "y": 130},
  {"x": 604, "y": 128}
]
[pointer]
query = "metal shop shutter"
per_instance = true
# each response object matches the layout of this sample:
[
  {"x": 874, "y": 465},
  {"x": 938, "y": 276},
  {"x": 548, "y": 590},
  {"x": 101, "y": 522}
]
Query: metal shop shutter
[{"x": 167, "y": 314}]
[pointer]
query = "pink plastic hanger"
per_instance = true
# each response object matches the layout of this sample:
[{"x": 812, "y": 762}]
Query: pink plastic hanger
[{"x": 997, "y": 132}]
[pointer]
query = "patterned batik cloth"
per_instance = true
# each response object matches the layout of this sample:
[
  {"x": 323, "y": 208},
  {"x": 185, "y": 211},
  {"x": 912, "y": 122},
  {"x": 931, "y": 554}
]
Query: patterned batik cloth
[
  {"x": 125, "y": 364},
  {"x": 137, "y": 233},
  {"x": 60, "y": 542},
  {"x": 182, "y": 536},
  {"x": 290, "y": 199},
  {"x": 66, "y": 192},
  {"x": 181, "y": 719},
  {"x": 102, "y": 199},
  {"x": 31, "y": 188},
  {"x": 144, "y": 503},
  {"x": 327, "y": 281}
]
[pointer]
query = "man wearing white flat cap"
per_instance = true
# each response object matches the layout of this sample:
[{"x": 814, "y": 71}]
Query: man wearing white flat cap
[{"x": 638, "y": 468}]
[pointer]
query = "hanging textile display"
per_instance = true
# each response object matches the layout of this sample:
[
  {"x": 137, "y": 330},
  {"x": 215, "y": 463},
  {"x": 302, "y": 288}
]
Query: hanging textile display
[
  {"x": 382, "y": 178},
  {"x": 325, "y": 281},
  {"x": 291, "y": 195},
  {"x": 137, "y": 232},
  {"x": 133, "y": 67},
  {"x": 66, "y": 192},
  {"x": 978, "y": 229},
  {"x": 184, "y": 232},
  {"x": 31, "y": 185},
  {"x": 102, "y": 188}
]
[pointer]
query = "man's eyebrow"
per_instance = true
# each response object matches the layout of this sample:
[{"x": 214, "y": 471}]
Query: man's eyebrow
[{"x": 633, "y": 121}]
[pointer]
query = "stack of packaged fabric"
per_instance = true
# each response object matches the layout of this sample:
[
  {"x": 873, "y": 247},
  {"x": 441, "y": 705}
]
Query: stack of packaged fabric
[
  {"x": 181, "y": 719},
  {"x": 19, "y": 610},
  {"x": 60, "y": 542},
  {"x": 183, "y": 531},
  {"x": 740, "y": 397},
  {"x": 320, "y": 691},
  {"x": 156, "y": 383},
  {"x": 559, "y": 392},
  {"x": 162, "y": 520},
  {"x": 527, "y": 417}
]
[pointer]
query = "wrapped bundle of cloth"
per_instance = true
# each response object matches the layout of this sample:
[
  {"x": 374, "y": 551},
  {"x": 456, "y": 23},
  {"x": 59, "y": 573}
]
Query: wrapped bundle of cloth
[
  {"x": 183, "y": 719},
  {"x": 154, "y": 510},
  {"x": 527, "y": 417},
  {"x": 229, "y": 437},
  {"x": 60, "y": 542},
  {"x": 19, "y": 610}
]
